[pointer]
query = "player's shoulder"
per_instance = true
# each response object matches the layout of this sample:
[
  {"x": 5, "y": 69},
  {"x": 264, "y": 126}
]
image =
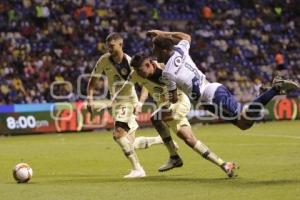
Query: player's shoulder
[
  {"x": 182, "y": 47},
  {"x": 128, "y": 57},
  {"x": 183, "y": 43},
  {"x": 103, "y": 58},
  {"x": 134, "y": 76},
  {"x": 101, "y": 63},
  {"x": 159, "y": 65}
]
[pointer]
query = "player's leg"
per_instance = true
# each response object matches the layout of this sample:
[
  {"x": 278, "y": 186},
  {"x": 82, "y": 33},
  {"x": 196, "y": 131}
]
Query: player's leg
[
  {"x": 284, "y": 84},
  {"x": 176, "y": 112},
  {"x": 163, "y": 130},
  {"x": 279, "y": 86},
  {"x": 228, "y": 108},
  {"x": 184, "y": 131},
  {"x": 231, "y": 110},
  {"x": 146, "y": 142},
  {"x": 123, "y": 134},
  {"x": 253, "y": 110},
  {"x": 186, "y": 134},
  {"x": 125, "y": 141}
]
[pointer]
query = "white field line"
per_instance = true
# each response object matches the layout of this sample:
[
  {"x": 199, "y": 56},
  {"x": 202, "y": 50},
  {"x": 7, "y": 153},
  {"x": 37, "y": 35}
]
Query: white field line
[
  {"x": 272, "y": 144},
  {"x": 276, "y": 136}
]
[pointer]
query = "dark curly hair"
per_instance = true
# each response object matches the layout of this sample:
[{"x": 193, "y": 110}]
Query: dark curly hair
[
  {"x": 138, "y": 59},
  {"x": 163, "y": 43}
]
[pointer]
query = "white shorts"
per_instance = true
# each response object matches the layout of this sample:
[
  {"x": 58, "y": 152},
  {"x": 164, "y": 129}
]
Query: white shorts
[{"x": 179, "y": 113}]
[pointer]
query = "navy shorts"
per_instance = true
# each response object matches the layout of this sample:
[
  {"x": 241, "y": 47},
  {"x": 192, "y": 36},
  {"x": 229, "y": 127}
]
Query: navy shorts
[{"x": 225, "y": 105}]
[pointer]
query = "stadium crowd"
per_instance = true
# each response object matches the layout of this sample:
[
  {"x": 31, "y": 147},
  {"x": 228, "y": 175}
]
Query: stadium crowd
[{"x": 238, "y": 43}]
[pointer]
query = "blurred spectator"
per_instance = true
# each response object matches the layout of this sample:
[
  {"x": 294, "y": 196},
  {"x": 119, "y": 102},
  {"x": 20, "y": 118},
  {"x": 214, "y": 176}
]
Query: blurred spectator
[
  {"x": 279, "y": 59},
  {"x": 207, "y": 12},
  {"x": 43, "y": 41},
  {"x": 280, "y": 65}
]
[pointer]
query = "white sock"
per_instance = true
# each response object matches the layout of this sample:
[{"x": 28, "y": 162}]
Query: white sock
[
  {"x": 134, "y": 161},
  {"x": 204, "y": 151},
  {"x": 145, "y": 142},
  {"x": 129, "y": 152}
]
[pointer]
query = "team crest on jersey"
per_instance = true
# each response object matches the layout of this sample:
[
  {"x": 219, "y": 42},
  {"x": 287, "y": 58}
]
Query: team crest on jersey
[
  {"x": 177, "y": 61},
  {"x": 124, "y": 71}
]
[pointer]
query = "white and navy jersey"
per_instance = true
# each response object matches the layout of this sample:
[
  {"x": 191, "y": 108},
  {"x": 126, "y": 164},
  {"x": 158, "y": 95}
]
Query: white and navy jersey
[{"x": 181, "y": 72}]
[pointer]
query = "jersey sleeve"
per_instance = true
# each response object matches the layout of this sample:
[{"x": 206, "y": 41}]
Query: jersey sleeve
[
  {"x": 168, "y": 79},
  {"x": 182, "y": 47}
]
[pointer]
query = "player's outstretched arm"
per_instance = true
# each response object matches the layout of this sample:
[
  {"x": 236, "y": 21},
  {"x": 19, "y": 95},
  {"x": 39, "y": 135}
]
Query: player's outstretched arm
[
  {"x": 90, "y": 93},
  {"x": 175, "y": 36},
  {"x": 173, "y": 96},
  {"x": 97, "y": 71},
  {"x": 143, "y": 97}
]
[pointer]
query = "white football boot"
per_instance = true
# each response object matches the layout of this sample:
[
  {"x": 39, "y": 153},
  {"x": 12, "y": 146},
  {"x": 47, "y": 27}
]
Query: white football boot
[{"x": 136, "y": 173}]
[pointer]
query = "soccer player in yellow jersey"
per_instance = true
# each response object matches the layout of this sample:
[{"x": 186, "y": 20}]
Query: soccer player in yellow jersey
[
  {"x": 115, "y": 65},
  {"x": 148, "y": 73}
]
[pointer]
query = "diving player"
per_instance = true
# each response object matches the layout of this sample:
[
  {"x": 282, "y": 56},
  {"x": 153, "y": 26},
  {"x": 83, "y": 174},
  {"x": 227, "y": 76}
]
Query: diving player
[
  {"x": 172, "y": 49},
  {"x": 148, "y": 73}
]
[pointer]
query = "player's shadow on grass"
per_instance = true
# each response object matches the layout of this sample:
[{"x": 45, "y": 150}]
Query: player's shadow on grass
[
  {"x": 240, "y": 182},
  {"x": 229, "y": 181},
  {"x": 29, "y": 183}
]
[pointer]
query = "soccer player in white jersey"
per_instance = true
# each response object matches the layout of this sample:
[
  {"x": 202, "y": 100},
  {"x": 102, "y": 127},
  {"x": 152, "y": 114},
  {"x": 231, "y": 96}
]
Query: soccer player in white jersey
[
  {"x": 115, "y": 65},
  {"x": 172, "y": 49},
  {"x": 148, "y": 73}
]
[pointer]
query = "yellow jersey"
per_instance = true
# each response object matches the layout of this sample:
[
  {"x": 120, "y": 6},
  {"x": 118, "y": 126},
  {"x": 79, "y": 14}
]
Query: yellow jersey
[
  {"x": 117, "y": 74},
  {"x": 155, "y": 85}
]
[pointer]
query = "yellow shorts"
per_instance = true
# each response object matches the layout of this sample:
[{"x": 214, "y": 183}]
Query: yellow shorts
[
  {"x": 179, "y": 113},
  {"x": 124, "y": 112}
]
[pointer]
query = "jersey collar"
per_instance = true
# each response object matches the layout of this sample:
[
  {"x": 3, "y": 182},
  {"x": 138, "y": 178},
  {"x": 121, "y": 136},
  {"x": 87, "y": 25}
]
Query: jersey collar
[{"x": 122, "y": 68}]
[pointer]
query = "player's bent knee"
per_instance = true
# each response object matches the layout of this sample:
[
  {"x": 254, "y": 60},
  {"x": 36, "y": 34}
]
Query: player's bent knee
[
  {"x": 121, "y": 129},
  {"x": 128, "y": 153},
  {"x": 118, "y": 133},
  {"x": 187, "y": 138}
]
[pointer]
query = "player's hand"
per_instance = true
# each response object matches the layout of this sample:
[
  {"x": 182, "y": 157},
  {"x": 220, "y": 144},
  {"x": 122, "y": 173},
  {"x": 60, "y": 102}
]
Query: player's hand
[
  {"x": 101, "y": 107},
  {"x": 89, "y": 109},
  {"x": 113, "y": 102},
  {"x": 138, "y": 109},
  {"x": 166, "y": 106},
  {"x": 89, "y": 105},
  {"x": 153, "y": 33}
]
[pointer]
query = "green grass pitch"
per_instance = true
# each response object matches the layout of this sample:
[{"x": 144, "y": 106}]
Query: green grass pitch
[{"x": 91, "y": 166}]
